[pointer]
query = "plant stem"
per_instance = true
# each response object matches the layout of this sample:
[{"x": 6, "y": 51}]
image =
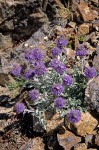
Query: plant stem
[{"x": 82, "y": 64}]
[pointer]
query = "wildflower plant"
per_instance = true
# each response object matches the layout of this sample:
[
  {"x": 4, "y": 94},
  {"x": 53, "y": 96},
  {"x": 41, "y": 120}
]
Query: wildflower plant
[
  {"x": 53, "y": 86},
  {"x": 74, "y": 116},
  {"x": 19, "y": 107}
]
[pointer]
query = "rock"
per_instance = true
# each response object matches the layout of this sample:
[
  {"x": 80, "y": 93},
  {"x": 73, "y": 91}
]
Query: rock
[
  {"x": 68, "y": 140},
  {"x": 60, "y": 13},
  {"x": 30, "y": 123},
  {"x": 5, "y": 114},
  {"x": 90, "y": 48},
  {"x": 96, "y": 27},
  {"x": 14, "y": 24},
  {"x": 74, "y": 5},
  {"x": 6, "y": 10},
  {"x": 84, "y": 29},
  {"x": 55, "y": 122},
  {"x": 9, "y": 56},
  {"x": 8, "y": 25},
  {"x": 96, "y": 62},
  {"x": 95, "y": 1},
  {"x": 70, "y": 53},
  {"x": 4, "y": 79},
  {"x": 96, "y": 24},
  {"x": 72, "y": 24},
  {"x": 2, "y": 125},
  {"x": 7, "y": 85},
  {"x": 28, "y": 144},
  {"x": 80, "y": 146},
  {"x": 97, "y": 49},
  {"x": 89, "y": 36},
  {"x": 20, "y": 19},
  {"x": 94, "y": 39},
  {"x": 3, "y": 91},
  {"x": 97, "y": 139},
  {"x": 69, "y": 32},
  {"x": 38, "y": 144},
  {"x": 40, "y": 34},
  {"x": 85, "y": 126},
  {"x": 89, "y": 140},
  {"x": 92, "y": 94},
  {"x": 38, "y": 125},
  {"x": 92, "y": 149},
  {"x": 49, "y": 114},
  {"x": 6, "y": 94},
  {"x": 7, "y": 111},
  {"x": 33, "y": 144},
  {"x": 86, "y": 12},
  {"x": 59, "y": 30},
  {"x": 5, "y": 42}
]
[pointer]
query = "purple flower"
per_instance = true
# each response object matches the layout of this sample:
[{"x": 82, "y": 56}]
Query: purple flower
[
  {"x": 81, "y": 51},
  {"x": 67, "y": 80},
  {"x": 90, "y": 72},
  {"x": 57, "y": 89},
  {"x": 29, "y": 73},
  {"x": 74, "y": 116},
  {"x": 58, "y": 66},
  {"x": 34, "y": 55},
  {"x": 34, "y": 94},
  {"x": 54, "y": 63},
  {"x": 37, "y": 54},
  {"x": 39, "y": 69},
  {"x": 61, "y": 68},
  {"x": 61, "y": 42},
  {"x": 16, "y": 71},
  {"x": 29, "y": 56},
  {"x": 19, "y": 107},
  {"x": 59, "y": 102},
  {"x": 56, "y": 51}
]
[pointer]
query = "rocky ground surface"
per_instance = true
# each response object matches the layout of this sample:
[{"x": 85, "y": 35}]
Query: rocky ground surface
[{"x": 29, "y": 23}]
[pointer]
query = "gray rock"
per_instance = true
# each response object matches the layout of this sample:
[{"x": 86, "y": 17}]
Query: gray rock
[
  {"x": 89, "y": 139},
  {"x": 96, "y": 62},
  {"x": 68, "y": 140},
  {"x": 97, "y": 49},
  {"x": 96, "y": 58},
  {"x": 5, "y": 41},
  {"x": 97, "y": 139},
  {"x": 19, "y": 19},
  {"x": 92, "y": 95}
]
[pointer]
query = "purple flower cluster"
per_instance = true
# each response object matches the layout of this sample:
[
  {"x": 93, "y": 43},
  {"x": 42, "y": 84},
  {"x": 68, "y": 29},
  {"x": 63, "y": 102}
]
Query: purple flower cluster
[
  {"x": 19, "y": 107},
  {"x": 56, "y": 51},
  {"x": 16, "y": 71},
  {"x": 34, "y": 55},
  {"x": 29, "y": 73},
  {"x": 58, "y": 66},
  {"x": 90, "y": 72},
  {"x": 37, "y": 54},
  {"x": 67, "y": 80},
  {"x": 62, "y": 42},
  {"x": 74, "y": 116},
  {"x": 61, "y": 68},
  {"x": 81, "y": 51},
  {"x": 54, "y": 63},
  {"x": 57, "y": 89},
  {"x": 29, "y": 56},
  {"x": 59, "y": 102},
  {"x": 34, "y": 94},
  {"x": 39, "y": 69}
]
